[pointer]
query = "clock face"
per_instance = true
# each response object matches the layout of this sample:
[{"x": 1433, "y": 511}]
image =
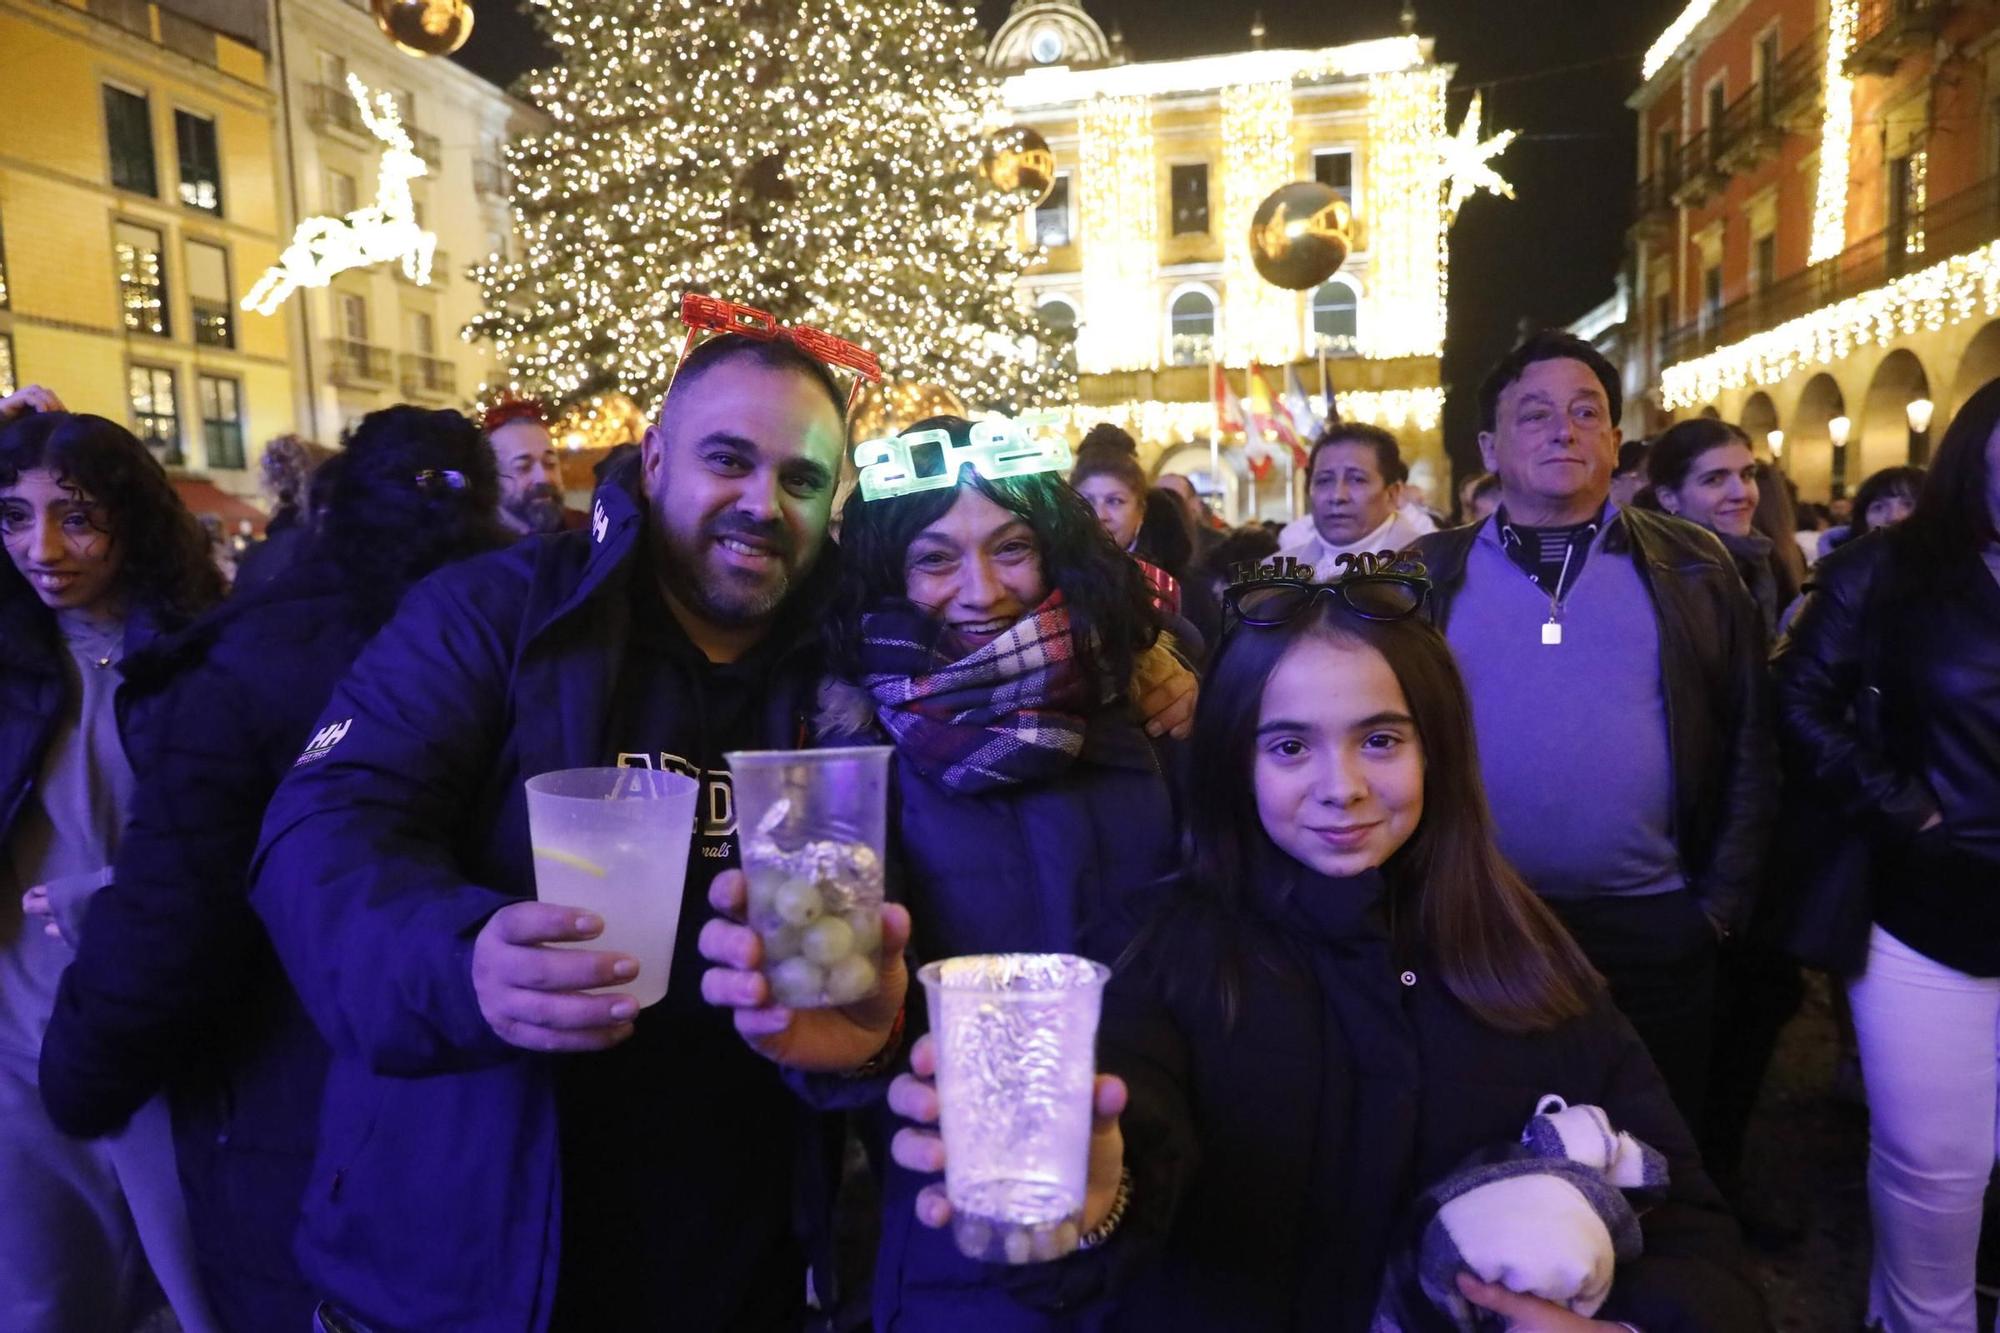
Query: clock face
[{"x": 1046, "y": 46}]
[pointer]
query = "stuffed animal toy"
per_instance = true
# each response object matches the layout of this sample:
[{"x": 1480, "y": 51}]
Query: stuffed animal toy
[{"x": 1546, "y": 1217}]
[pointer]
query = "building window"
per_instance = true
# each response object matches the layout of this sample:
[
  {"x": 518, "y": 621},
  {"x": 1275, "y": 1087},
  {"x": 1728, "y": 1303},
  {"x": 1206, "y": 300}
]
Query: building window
[
  {"x": 339, "y": 193},
  {"x": 1057, "y": 315},
  {"x": 1663, "y": 327},
  {"x": 353, "y": 317},
  {"x": 1334, "y": 168},
  {"x": 1909, "y": 188},
  {"x": 1767, "y": 70},
  {"x": 155, "y": 417},
  {"x": 7, "y": 384},
  {"x": 1052, "y": 215},
  {"x": 201, "y": 162},
  {"x": 1718, "y": 103},
  {"x": 1190, "y": 199},
  {"x": 208, "y": 294},
  {"x": 1335, "y": 317},
  {"x": 142, "y": 280},
  {"x": 1763, "y": 262},
  {"x": 333, "y": 71},
  {"x": 128, "y": 127},
  {"x": 1711, "y": 297},
  {"x": 423, "y": 334},
  {"x": 3, "y": 268},
  {"x": 221, "y": 421},
  {"x": 1192, "y": 321}
]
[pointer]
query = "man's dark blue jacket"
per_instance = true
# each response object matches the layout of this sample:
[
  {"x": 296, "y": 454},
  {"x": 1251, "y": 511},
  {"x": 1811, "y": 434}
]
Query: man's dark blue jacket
[{"x": 435, "y": 1199}]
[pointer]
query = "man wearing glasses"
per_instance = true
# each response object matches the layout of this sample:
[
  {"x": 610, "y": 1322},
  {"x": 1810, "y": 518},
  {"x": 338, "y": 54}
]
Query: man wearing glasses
[{"x": 1616, "y": 667}]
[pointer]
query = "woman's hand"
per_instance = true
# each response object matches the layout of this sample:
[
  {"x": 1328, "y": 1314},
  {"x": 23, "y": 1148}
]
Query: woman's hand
[
  {"x": 1528, "y": 1314},
  {"x": 914, "y": 1097},
  {"x": 29, "y": 398},
  {"x": 821, "y": 1041},
  {"x": 36, "y": 902},
  {"x": 1164, "y": 692}
]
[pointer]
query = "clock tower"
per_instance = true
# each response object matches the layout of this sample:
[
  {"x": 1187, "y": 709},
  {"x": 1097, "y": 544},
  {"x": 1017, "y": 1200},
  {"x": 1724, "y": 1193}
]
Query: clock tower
[{"x": 1049, "y": 33}]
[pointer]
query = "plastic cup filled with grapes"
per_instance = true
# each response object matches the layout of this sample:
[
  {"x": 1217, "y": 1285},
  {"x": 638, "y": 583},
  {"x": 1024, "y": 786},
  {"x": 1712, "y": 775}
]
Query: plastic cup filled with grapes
[{"x": 812, "y": 826}]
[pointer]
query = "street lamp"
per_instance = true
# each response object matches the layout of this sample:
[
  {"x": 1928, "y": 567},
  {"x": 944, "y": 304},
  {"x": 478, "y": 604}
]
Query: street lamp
[
  {"x": 1919, "y": 411},
  {"x": 1776, "y": 439},
  {"x": 1838, "y": 430}
]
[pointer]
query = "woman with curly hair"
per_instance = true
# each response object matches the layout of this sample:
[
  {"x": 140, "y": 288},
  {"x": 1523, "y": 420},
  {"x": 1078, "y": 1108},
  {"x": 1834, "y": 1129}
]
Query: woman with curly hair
[
  {"x": 102, "y": 560},
  {"x": 993, "y": 633}
]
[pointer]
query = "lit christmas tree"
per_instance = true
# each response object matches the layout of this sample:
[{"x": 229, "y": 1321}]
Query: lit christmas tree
[{"x": 819, "y": 159}]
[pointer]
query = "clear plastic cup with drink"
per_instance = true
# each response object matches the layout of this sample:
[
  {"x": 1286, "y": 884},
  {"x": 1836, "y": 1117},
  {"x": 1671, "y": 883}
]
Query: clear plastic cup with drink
[
  {"x": 614, "y": 841},
  {"x": 812, "y": 827},
  {"x": 1016, "y": 1038}
]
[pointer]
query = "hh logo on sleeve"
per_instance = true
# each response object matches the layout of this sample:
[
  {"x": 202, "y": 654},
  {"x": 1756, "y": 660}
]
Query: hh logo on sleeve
[{"x": 323, "y": 741}]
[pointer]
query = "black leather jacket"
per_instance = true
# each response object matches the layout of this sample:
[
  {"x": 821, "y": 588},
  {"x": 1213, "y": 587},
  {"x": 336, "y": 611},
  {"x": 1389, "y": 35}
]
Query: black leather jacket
[
  {"x": 1892, "y": 714},
  {"x": 1712, "y": 647}
]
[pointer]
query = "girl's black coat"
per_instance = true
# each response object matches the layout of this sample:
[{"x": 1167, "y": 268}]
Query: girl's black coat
[{"x": 1274, "y": 1158}]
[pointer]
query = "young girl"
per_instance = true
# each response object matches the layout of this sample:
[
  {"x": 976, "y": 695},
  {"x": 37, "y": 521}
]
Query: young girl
[
  {"x": 1349, "y": 994},
  {"x": 990, "y": 632},
  {"x": 1703, "y": 471},
  {"x": 101, "y": 558}
]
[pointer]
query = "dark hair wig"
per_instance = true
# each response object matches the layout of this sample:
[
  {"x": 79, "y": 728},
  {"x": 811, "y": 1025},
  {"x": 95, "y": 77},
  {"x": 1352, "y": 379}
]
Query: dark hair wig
[
  {"x": 1112, "y": 612},
  {"x": 164, "y": 562},
  {"x": 1498, "y": 948},
  {"x": 1548, "y": 345}
]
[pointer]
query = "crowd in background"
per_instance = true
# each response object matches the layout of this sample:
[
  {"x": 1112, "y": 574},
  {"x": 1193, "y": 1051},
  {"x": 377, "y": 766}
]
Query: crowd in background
[{"x": 1561, "y": 795}]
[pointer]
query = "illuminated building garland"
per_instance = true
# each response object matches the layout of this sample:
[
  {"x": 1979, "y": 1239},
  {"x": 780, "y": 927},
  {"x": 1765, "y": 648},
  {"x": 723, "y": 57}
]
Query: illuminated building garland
[
  {"x": 1119, "y": 217},
  {"x": 1829, "y": 227},
  {"x": 1260, "y": 322},
  {"x": 1677, "y": 32},
  {"x": 1403, "y": 215},
  {"x": 1949, "y": 292},
  {"x": 1177, "y": 423}
]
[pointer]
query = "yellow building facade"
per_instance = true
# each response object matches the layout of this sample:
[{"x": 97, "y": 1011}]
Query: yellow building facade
[
  {"x": 1146, "y": 234},
  {"x": 138, "y": 194}
]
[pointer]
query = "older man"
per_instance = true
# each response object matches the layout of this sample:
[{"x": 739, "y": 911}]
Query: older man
[
  {"x": 531, "y": 494},
  {"x": 1616, "y": 667}
]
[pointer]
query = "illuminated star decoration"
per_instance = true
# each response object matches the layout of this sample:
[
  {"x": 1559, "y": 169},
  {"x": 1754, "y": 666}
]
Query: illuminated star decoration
[{"x": 1466, "y": 166}]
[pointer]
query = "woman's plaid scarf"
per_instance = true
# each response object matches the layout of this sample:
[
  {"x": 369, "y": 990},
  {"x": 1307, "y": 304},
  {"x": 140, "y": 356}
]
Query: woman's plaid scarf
[{"x": 1011, "y": 711}]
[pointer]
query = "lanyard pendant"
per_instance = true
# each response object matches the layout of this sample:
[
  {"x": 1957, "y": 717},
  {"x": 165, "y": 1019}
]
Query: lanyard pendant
[{"x": 1552, "y": 633}]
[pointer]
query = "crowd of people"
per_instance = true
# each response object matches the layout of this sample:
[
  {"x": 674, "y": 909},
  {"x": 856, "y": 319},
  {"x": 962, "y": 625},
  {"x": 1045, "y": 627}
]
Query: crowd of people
[{"x": 1396, "y": 829}]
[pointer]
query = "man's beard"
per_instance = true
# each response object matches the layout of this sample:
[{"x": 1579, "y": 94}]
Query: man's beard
[
  {"x": 724, "y": 597},
  {"x": 538, "y": 509}
]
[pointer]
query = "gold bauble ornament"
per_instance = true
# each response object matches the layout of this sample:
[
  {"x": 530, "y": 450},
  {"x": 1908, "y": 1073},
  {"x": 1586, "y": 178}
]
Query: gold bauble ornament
[
  {"x": 1301, "y": 235},
  {"x": 424, "y": 27},
  {"x": 1021, "y": 161}
]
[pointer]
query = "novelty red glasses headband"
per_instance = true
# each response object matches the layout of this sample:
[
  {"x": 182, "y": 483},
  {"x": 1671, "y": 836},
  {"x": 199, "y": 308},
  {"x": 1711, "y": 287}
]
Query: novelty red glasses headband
[{"x": 708, "y": 314}]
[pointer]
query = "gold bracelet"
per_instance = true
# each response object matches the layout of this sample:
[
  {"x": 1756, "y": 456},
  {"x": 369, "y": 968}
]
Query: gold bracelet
[{"x": 1100, "y": 1233}]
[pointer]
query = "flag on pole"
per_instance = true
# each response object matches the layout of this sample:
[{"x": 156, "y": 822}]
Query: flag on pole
[
  {"x": 1228, "y": 408},
  {"x": 1273, "y": 420},
  {"x": 1326, "y": 390},
  {"x": 1299, "y": 405}
]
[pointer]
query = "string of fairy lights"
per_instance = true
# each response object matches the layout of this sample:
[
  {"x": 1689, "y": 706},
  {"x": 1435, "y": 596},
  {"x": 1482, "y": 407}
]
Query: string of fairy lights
[{"x": 1259, "y": 322}]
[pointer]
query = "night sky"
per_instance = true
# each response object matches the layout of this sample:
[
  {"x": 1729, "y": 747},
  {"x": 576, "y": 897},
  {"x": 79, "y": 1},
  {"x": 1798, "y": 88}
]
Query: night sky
[{"x": 1556, "y": 70}]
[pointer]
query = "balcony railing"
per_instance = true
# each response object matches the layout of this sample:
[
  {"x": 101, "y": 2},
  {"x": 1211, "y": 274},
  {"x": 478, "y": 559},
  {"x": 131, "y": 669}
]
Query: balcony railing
[
  {"x": 214, "y": 323},
  {"x": 333, "y": 108},
  {"x": 428, "y": 377},
  {"x": 1887, "y": 30},
  {"x": 350, "y": 362},
  {"x": 1952, "y": 226}
]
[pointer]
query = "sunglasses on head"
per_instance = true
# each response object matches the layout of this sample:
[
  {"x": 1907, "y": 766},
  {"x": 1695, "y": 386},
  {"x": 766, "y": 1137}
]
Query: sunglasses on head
[
  {"x": 1375, "y": 587},
  {"x": 709, "y": 314}
]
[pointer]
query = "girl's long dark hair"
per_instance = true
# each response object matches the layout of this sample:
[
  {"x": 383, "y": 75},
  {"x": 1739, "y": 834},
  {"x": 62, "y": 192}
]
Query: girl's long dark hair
[
  {"x": 1497, "y": 947},
  {"x": 1938, "y": 545},
  {"x": 1112, "y": 613},
  {"x": 163, "y": 554},
  {"x": 393, "y": 512}
]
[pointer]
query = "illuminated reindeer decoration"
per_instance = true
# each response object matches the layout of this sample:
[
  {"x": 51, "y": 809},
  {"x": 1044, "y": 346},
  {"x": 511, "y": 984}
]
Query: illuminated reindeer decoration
[{"x": 386, "y": 230}]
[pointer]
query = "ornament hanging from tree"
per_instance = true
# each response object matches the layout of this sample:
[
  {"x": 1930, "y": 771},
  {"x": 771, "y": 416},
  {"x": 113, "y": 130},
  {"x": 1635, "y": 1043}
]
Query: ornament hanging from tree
[
  {"x": 1300, "y": 235},
  {"x": 1020, "y": 161},
  {"x": 424, "y": 27}
]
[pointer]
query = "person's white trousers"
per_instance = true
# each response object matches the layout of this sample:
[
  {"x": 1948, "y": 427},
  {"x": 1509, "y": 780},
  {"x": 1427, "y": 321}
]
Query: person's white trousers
[{"x": 1928, "y": 1036}]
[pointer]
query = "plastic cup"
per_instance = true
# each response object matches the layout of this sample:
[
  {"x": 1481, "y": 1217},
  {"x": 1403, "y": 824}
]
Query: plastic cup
[
  {"x": 812, "y": 825},
  {"x": 1016, "y": 1039},
  {"x": 614, "y": 841}
]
